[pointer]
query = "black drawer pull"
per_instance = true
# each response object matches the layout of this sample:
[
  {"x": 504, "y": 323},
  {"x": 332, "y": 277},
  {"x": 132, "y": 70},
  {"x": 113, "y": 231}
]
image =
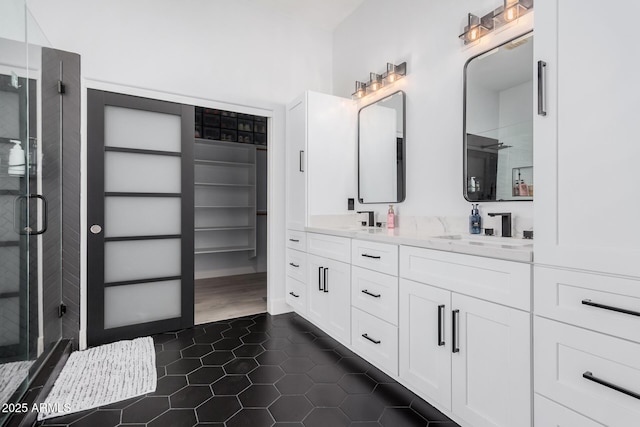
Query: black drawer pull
[
  {"x": 609, "y": 307},
  {"x": 455, "y": 348},
  {"x": 320, "y": 279},
  {"x": 294, "y": 265},
  {"x": 326, "y": 282},
  {"x": 440, "y": 325},
  {"x": 371, "y": 256},
  {"x": 367, "y": 337},
  {"x": 589, "y": 376},
  {"x": 294, "y": 295},
  {"x": 294, "y": 240},
  {"x": 364, "y": 291}
]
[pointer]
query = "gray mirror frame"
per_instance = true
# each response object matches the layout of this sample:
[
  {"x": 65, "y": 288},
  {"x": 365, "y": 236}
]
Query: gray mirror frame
[
  {"x": 464, "y": 124},
  {"x": 402, "y": 181}
]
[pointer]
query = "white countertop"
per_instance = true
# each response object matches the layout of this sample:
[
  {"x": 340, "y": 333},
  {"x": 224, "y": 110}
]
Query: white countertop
[{"x": 507, "y": 248}]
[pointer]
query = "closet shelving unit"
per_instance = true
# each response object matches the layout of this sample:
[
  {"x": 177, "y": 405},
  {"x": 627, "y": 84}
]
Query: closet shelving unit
[{"x": 225, "y": 197}]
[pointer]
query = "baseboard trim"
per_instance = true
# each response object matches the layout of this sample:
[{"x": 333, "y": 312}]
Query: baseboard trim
[{"x": 278, "y": 306}]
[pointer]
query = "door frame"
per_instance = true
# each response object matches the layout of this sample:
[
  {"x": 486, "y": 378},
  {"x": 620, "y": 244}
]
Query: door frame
[{"x": 97, "y": 100}]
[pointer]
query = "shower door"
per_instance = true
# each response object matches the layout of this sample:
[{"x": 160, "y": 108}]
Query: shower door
[{"x": 140, "y": 216}]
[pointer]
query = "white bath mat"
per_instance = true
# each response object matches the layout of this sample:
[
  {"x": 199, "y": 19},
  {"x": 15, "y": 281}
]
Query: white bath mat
[
  {"x": 103, "y": 375},
  {"x": 11, "y": 376}
]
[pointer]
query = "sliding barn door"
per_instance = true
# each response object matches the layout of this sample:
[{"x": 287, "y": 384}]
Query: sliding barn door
[{"x": 140, "y": 216}]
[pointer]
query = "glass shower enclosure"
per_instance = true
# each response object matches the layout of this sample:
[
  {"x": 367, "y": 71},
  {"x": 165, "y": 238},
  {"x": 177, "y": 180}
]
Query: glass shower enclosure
[{"x": 24, "y": 215}]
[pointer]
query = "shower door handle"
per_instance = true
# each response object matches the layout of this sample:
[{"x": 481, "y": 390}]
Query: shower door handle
[{"x": 27, "y": 229}]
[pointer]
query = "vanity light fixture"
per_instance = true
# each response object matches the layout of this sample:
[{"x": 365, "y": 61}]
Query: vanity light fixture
[
  {"x": 510, "y": 11},
  {"x": 377, "y": 81},
  {"x": 477, "y": 27}
]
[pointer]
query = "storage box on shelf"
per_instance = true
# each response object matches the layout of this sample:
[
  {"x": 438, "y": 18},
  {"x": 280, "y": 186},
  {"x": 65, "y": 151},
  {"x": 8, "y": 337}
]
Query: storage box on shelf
[{"x": 230, "y": 126}]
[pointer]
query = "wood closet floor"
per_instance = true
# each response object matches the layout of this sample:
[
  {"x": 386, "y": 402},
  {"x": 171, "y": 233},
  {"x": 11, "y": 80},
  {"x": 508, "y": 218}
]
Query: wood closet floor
[{"x": 228, "y": 297}]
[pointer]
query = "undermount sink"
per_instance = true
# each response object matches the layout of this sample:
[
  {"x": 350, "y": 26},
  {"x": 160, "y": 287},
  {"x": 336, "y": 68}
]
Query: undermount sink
[{"x": 503, "y": 242}]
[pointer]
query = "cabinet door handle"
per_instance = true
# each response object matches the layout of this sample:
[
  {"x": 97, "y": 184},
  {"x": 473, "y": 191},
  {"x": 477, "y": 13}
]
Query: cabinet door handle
[
  {"x": 455, "y": 314},
  {"x": 326, "y": 281},
  {"x": 367, "y": 337},
  {"x": 371, "y": 256},
  {"x": 294, "y": 265},
  {"x": 364, "y": 291},
  {"x": 301, "y": 160},
  {"x": 440, "y": 325},
  {"x": 294, "y": 240},
  {"x": 589, "y": 376},
  {"x": 610, "y": 307},
  {"x": 542, "y": 88},
  {"x": 320, "y": 279},
  {"x": 294, "y": 295}
]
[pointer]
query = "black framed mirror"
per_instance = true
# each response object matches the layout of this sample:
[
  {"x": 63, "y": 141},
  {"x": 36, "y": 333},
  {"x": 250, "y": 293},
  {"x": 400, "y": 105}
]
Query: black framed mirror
[
  {"x": 381, "y": 150},
  {"x": 498, "y": 123}
]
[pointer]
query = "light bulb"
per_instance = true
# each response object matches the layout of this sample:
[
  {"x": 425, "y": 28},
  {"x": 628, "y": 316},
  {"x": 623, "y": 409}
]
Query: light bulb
[
  {"x": 391, "y": 77},
  {"x": 375, "y": 86},
  {"x": 510, "y": 14},
  {"x": 473, "y": 34}
]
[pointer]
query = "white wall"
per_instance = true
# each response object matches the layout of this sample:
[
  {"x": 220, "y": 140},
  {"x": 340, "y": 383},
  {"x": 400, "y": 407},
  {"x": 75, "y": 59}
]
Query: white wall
[
  {"x": 212, "y": 49},
  {"x": 423, "y": 33},
  {"x": 221, "y": 54}
]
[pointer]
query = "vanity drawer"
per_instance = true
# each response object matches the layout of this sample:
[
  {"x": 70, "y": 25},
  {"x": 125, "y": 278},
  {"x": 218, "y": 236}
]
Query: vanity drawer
[
  {"x": 503, "y": 282},
  {"x": 296, "y": 295},
  {"x": 549, "y": 414},
  {"x": 375, "y": 293},
  {"x": 568, "y": 296},
  {"x": 375, "y": 340},
  {"x": 332, "y": 247},
  {"x": 297, "y": 264},
  {"x": 565, "y": 355},
  {"x": 297, "y": 240},
  {"x": 380, "y": 257}
]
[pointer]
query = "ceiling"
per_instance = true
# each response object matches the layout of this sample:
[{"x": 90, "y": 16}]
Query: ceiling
[{"x": 325, "y": 14}]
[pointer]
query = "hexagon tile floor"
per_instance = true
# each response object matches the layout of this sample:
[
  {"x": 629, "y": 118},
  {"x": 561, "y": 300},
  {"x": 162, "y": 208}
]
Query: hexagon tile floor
[{"x": 262, "y": 371}]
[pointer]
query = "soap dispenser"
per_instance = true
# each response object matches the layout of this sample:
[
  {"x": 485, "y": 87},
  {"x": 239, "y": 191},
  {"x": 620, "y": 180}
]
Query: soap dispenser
[
  {"x": 16, "y": 159},
  {"x": 391, "y": 218},
  {"x": 475, "y": 220}
]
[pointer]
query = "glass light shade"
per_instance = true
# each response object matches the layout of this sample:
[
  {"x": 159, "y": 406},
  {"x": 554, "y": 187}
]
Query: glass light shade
[
  {"x": 477, "y": 27},
  {"x": 361, "y": 90},
  {"x": 375, "y": 82}
]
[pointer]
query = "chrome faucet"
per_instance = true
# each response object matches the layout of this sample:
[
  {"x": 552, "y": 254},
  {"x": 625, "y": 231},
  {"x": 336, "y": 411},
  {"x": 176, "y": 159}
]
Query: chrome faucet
[
  {"x": 506, "y": 222},
  {"x": 371, "y": 221}
]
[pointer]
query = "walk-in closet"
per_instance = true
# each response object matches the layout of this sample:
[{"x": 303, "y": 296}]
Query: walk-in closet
[{"x": 230, "y": 189}]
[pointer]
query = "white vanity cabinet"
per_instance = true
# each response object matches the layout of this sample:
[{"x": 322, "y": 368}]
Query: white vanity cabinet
[
  {"x": 586, "y": 146},
  {"x": 320, "y": 154},
  {"x": 374, "y": 300},
  {"x": 329, "y": 285},
  {"x": 295, "y": 285},
  {"x": 468, "y": 355}
]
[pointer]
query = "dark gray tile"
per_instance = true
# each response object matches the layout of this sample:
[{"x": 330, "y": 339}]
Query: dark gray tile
[
  {"x": 325, "y": 374},
  {"x": 290, "y": 408},
  {"x": 239, "y": 365},
  {"x": 328, "y": 395},
  {"x": 227, "y": 344},
  {"x": 294, "y": 384},
  {"x": 357, "y": 383},
  {"x": 251, "y": 418},
  {"x": 248, "y": 350},
  {"x": 197, "y": 350},
  {"x": 427, "y": 411},
  {"x": 169, "y": 385},
  {"x": 218, "y": 408},
  {"x": 175, "y": 418},
  {"x": 362, "y": 407},
  {"x": 323, "y": 417},
  {"x": 394, "y": 417},
  {"x": 145, "y": 410},
  {"x": 266, "y": 374},
  {"x": 190, "y": 396},
  {"x": 99, "y": 419},
  {"x": 297, "y": 365},
  {"x": 272, "y": 357},
  {"x": 230, "y": 385},
  {"x": 183, "y": 366},
  {"x": 205, "y": 375},
  {"x": 258, "y": 395},
  {"x": 217, "y": 358}
]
